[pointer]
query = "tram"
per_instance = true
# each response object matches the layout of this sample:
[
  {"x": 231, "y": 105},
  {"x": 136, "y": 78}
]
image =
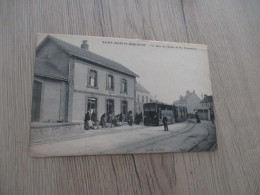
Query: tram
[{"x": 153, "y": 113}]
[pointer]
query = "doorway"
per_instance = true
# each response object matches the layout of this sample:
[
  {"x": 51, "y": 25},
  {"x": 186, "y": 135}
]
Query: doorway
[
  {"x": 124, "y": 110},
  {"x": 92, "y": 106},
  {"x": 36, "y": 101},
  {"x": 110, "y": 109}
]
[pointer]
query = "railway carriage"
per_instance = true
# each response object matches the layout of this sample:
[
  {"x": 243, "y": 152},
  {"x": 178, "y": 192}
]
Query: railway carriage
[{"x": 153, "y": 113}]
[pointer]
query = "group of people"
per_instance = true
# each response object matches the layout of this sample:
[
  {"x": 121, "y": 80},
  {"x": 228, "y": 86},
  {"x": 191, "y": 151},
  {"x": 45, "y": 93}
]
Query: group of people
[
  {"x": 138, "y": 118},
  {"x": 91, "y": 122},
  {"x": 114, "y": 120}
]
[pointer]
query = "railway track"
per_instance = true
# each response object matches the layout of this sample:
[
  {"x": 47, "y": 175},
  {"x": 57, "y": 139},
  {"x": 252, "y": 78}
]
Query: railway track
[
  {"x": 209, "y": 129},
  {"x": 150, "y": 141}
]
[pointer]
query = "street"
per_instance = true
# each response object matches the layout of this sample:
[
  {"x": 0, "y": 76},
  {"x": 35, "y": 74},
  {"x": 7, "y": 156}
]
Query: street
[{"x": 185, "y": 136}]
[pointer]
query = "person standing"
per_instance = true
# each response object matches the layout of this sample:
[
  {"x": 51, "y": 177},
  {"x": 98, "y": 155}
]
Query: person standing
[
  {"x": 113, "y": 119},
  {"x": 165, "y": 120},
  {"x": 141, "y": 117},
  {"x": 121, "y": 117},
  {"x": 212, "y": 117},
  {"x": 94, "y": 117},
  {"x": 136, "y": 119},
  {"x": 87, "y": 118},
  {"x": 103, "y": 120},
  {"x": 130, "y": 118},
  {"x": 198, "y": 119}
]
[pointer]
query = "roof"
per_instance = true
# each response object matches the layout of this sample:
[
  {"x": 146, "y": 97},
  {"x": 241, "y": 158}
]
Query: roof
[
  {"x": 207, "y": 99},
  {"x": 158, "y": 103},
  {"x": 140, "y": 88},
  {"x": 46, "y": 68},
  {"x": 89, "y": 56}
]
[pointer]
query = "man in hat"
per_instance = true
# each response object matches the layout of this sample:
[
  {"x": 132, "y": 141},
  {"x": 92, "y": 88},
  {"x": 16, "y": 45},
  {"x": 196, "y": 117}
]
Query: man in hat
[{"x": 165, "y": 120}]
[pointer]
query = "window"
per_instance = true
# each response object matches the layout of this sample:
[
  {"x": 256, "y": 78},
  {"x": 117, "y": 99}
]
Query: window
[
  {"x": 142, "y": 98},
  {"x": 110, "y": 82},
  {"x": 147, "y": 99},
  {"x": 138, "y": 98},
  {"x": 124, "y": 86},
  {"x": 92, "y": 82}
]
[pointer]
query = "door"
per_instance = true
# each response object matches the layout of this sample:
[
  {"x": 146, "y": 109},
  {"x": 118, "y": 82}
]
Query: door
[
  {"x": 36, "y": 101},
  {"x": 124, "y": 110},
  {"x": 110, "y": 109},
  {"x": 92, "y": 106}
]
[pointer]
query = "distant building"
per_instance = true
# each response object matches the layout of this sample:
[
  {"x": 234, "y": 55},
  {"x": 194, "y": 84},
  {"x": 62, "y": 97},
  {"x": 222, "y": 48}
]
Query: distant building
[
  {"x": 190, "y": 101},
  {"x": 205, "y": 109},
  {"x": 71, "y": 80},
  {"x": 142, "y": 96},
  {"x": 181, "y": 113}
]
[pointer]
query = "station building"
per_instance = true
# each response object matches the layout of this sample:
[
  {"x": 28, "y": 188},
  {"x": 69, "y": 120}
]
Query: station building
[
  {"x": 142, "y": 96},
  {"x": 69, "y": 80}
]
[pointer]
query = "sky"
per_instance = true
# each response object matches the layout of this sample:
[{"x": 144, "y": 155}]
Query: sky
[{"x": 166, "y": 69}]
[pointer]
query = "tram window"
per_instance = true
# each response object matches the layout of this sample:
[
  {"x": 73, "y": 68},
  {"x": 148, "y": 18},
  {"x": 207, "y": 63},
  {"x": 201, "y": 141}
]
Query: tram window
[
  {"x": 146, "y": 109},
  {"x": 152, "y": 108}
]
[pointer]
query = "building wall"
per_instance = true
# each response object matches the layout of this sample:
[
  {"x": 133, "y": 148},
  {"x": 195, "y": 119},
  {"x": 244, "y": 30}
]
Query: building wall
[
  {"x": 53, "y": 105},
  {"x": 192, "y": 103},
  {"x": 53, "y": 53},
  {"x": 181, "y": 112},
  {"x": 139, "y": 103},
  {"x": 204, "y": 110},
  {"x": 82, "y": 92},
  {"x": 50, "y": 100},
  {"x": 204, "y": 114}
]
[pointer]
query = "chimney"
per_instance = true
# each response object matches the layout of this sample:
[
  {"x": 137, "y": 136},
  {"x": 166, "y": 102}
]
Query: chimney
[
  {"x": 84, "y": 44},
  {"x": 187, "y": 92},
  {"x": 205, "y": 95},
  {"x": 193, "y": 91}
]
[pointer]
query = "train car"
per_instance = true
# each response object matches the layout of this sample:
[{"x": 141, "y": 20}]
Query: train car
[{"x": 153, "y": 113}]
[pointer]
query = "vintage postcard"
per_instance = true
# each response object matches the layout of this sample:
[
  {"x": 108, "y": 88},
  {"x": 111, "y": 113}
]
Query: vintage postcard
[{"x": 101, "y": 95}]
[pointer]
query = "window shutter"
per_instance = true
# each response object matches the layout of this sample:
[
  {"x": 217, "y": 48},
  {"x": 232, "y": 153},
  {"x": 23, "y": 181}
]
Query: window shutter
[
  {"x": 112, "y": 83},
  {"x": 107, "y": 81},
  {"x": 96, "y": 80},
  {"x": 121, "y": 84},
  {"x": 88, "y": 77}
]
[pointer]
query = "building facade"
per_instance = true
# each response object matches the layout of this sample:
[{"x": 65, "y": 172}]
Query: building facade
[
  {"x": 190, "y": 101},
  {"x": 181, "y": 113},
  {"x": 142, "y": 96},
  {"x": 205, "y": 109},
  {"x": 71, "y": 80}
]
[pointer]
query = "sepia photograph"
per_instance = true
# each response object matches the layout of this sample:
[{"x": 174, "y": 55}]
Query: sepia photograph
[{"x": 102, "y": 95}]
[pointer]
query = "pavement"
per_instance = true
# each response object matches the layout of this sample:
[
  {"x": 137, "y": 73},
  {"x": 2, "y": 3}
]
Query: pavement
[{"x": 186, "y": 136}]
